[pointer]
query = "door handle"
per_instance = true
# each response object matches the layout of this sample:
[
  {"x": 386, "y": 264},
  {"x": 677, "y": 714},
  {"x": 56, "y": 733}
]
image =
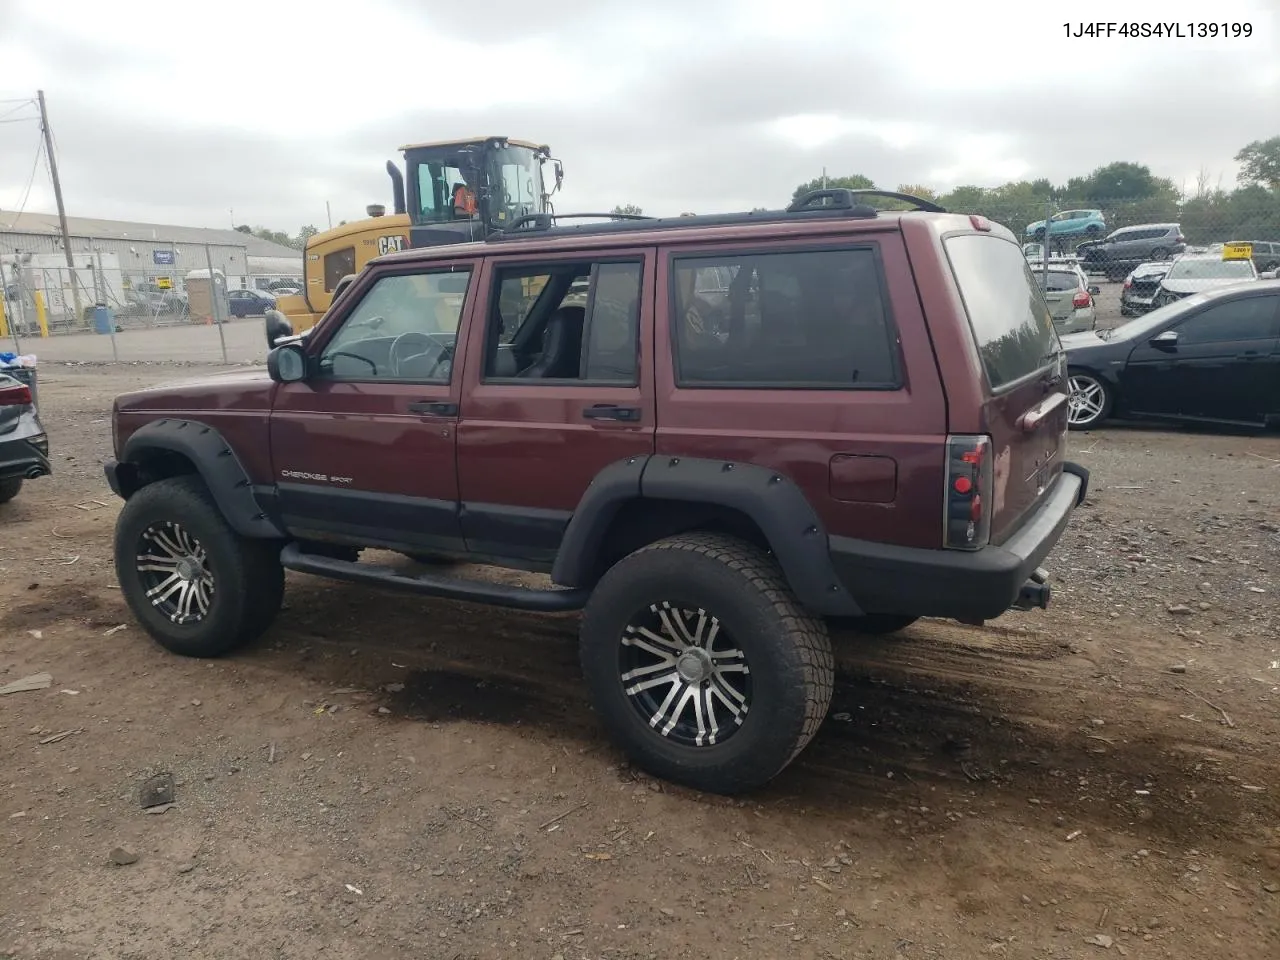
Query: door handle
[
  {"x": 608, "y": 411},
  {"x": 434, "y": 408}
]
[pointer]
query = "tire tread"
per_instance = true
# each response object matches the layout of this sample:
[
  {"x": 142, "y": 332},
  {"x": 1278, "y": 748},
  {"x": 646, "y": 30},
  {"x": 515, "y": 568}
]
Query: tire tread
[{"x": 809, "y": 632}]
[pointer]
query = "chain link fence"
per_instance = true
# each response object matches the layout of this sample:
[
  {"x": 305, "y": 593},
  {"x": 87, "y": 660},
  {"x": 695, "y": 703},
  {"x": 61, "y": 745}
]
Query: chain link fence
[{"x": 102, "y": 309}]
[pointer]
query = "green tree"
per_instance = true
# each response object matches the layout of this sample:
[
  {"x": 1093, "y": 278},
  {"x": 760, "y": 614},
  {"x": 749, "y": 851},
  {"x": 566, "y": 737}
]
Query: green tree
[
  {"x": 275, "y": 236},
  {"x": 305, "y": 233},
  {"x": 854, "y": 181},
  {"x": 919, "y": 190},
  {"x": 628, "y": 208},
  {"x": 244, "y": 228},
  {"x": 1260, "y": 164},
  {"x": 1120, "y": 182}
]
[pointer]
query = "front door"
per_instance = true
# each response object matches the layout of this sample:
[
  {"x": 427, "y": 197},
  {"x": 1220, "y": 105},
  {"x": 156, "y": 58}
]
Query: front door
[
  {"x": 558, "y": 385},
  {"x": 1225, "y": 359},
  {"x": 364, "y": 448}
]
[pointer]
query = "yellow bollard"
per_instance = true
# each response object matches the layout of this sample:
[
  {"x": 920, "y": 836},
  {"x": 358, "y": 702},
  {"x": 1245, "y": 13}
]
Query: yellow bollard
[
  {"x": 4, "y": 323},
  {"x": 42, "y": 318}
]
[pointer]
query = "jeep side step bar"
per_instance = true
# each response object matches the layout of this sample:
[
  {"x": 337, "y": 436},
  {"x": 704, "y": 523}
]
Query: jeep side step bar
[{"x": 292, "y": 557}]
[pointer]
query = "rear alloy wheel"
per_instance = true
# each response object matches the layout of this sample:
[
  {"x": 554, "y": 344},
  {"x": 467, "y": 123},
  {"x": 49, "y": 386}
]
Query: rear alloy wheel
[
  {"x": 1159, "y": 253},
  {"x": 703, "y": 665},
  {"x": 1089, "y": 402},
  {"x": 192, "y": 582}
]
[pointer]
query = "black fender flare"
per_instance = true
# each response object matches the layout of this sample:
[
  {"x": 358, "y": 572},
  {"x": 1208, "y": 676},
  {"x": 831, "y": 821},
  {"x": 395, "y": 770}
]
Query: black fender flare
[
  {"x": 783, "y": 513},
  {"x": 216, "y": 462}
]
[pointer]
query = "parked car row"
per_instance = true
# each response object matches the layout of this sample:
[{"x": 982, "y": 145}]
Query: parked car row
[{"x": 1120, "y": 251}]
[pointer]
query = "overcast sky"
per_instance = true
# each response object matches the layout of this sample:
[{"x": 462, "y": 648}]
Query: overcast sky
[{"x": 182, "y": 112}]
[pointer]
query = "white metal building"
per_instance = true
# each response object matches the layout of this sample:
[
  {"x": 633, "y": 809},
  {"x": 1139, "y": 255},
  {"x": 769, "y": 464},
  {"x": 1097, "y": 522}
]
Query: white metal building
[{"x": 151, "y": 251}]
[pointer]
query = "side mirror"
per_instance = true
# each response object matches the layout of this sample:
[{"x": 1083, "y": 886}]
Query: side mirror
[
  {"x": 559, "y": 174},
  {"x": 1166, "y": 340},
  {"x": 1095, "y": 290},
  {"x": 287, "y": 363}
]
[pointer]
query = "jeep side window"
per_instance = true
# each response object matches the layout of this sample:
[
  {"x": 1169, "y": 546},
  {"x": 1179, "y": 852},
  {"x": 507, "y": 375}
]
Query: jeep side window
[
  {"x": 404, "y": 328},
  {"x": 805, "y": 319},
  {"x": 568, "y": 321}
]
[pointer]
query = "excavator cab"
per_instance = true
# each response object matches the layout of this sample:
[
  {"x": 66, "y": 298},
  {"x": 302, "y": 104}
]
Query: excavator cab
[
  {"x": 448, "y": 192},
  {"x": 467, "y": 189}
]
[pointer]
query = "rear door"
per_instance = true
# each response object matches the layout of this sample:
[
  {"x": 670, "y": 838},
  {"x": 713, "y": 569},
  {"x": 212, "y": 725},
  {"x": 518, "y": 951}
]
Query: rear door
[
  {"x": 1024, "y": 407},
  {"x": 558, "y": 386}
]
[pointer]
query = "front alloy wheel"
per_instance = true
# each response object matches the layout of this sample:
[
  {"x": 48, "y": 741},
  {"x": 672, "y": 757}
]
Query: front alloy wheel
[
  {"x": 194, "y": 585},
  {"x": 1089, "y": 401},
  {"x": 685, "y": 675},
  {"x": 174, "y": 570}
]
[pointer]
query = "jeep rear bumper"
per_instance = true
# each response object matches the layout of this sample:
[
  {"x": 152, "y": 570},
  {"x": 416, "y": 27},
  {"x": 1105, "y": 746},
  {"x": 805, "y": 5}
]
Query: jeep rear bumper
[{"x": 960, "y": 585}]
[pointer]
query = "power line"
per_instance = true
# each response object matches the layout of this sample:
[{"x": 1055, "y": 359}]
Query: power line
[
  {"x": 30, "y": 180},
  {"x": 27, "y": 103}
]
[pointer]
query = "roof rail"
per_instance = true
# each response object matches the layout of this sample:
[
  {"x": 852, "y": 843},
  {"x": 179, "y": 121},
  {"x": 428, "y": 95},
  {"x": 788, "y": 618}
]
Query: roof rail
[
  {"x": 545, "y": 221},
  {"x": 844, "y": 206},
  {"x": 842, "y": 198}
]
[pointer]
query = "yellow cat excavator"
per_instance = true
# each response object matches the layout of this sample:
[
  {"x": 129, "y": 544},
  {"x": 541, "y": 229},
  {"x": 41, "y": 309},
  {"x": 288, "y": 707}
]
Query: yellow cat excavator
[{"x": 457, "y": 190}]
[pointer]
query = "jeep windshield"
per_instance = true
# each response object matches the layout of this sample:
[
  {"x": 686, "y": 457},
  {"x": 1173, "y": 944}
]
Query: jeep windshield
[{"x": 1007, "y": 313}]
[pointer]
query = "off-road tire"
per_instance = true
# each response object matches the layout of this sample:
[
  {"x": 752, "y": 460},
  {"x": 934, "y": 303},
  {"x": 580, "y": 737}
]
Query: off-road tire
[
  {"x": 787, "y": 650},
  {"x": 247, "y": 575},
  {"x": 9, "y": 488}
]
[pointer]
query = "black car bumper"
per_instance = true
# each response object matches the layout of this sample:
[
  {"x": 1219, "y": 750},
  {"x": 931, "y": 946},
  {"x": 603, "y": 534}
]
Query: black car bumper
[
  {"x": 960, "y": 585},
  {"x": 25, "y": 455}
]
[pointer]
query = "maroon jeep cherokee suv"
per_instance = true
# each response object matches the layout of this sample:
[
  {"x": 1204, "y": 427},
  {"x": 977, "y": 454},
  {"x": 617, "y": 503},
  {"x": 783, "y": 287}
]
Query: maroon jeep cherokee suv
[{"x": 717, "y": 434}]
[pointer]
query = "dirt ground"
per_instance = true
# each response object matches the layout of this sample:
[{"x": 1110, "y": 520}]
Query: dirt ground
[{"x": 386, "y": 776}]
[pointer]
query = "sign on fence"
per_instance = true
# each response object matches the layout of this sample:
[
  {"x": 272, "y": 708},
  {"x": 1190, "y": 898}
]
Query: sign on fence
[
  {"x": 163, "y": 258},
  {"x": 164, "y": 283}
]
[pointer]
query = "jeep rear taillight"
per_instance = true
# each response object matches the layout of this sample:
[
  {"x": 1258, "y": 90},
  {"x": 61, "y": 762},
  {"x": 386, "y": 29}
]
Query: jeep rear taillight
[{"x": 967, "y": 501}]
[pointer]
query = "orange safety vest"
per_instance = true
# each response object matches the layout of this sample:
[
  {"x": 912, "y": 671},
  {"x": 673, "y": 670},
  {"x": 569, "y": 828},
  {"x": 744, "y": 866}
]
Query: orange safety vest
[{"x": 464, "y": 201}]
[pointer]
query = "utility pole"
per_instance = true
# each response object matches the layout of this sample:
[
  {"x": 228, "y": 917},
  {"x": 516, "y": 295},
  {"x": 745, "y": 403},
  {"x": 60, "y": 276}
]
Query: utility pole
[
  {"x": 328, "y": 214},
  {"x": 62, "y": 210}
]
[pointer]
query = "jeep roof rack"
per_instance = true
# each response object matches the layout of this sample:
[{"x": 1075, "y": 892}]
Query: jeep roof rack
[
  {"x": 842, "y": 198},
  {"x": 838, "y": 203}
]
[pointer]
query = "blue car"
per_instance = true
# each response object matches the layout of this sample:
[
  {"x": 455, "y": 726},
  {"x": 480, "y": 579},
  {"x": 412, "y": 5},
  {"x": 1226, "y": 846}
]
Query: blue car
[
  {"x": 249, "y": 303},
  {"x": 1071, "y": 224}
]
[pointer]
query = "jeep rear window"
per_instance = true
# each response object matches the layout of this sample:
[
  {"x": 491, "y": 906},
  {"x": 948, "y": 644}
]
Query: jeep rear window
[
  {"x": 799, "y": 319},
  {"x": 1008, "y": 316}
]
